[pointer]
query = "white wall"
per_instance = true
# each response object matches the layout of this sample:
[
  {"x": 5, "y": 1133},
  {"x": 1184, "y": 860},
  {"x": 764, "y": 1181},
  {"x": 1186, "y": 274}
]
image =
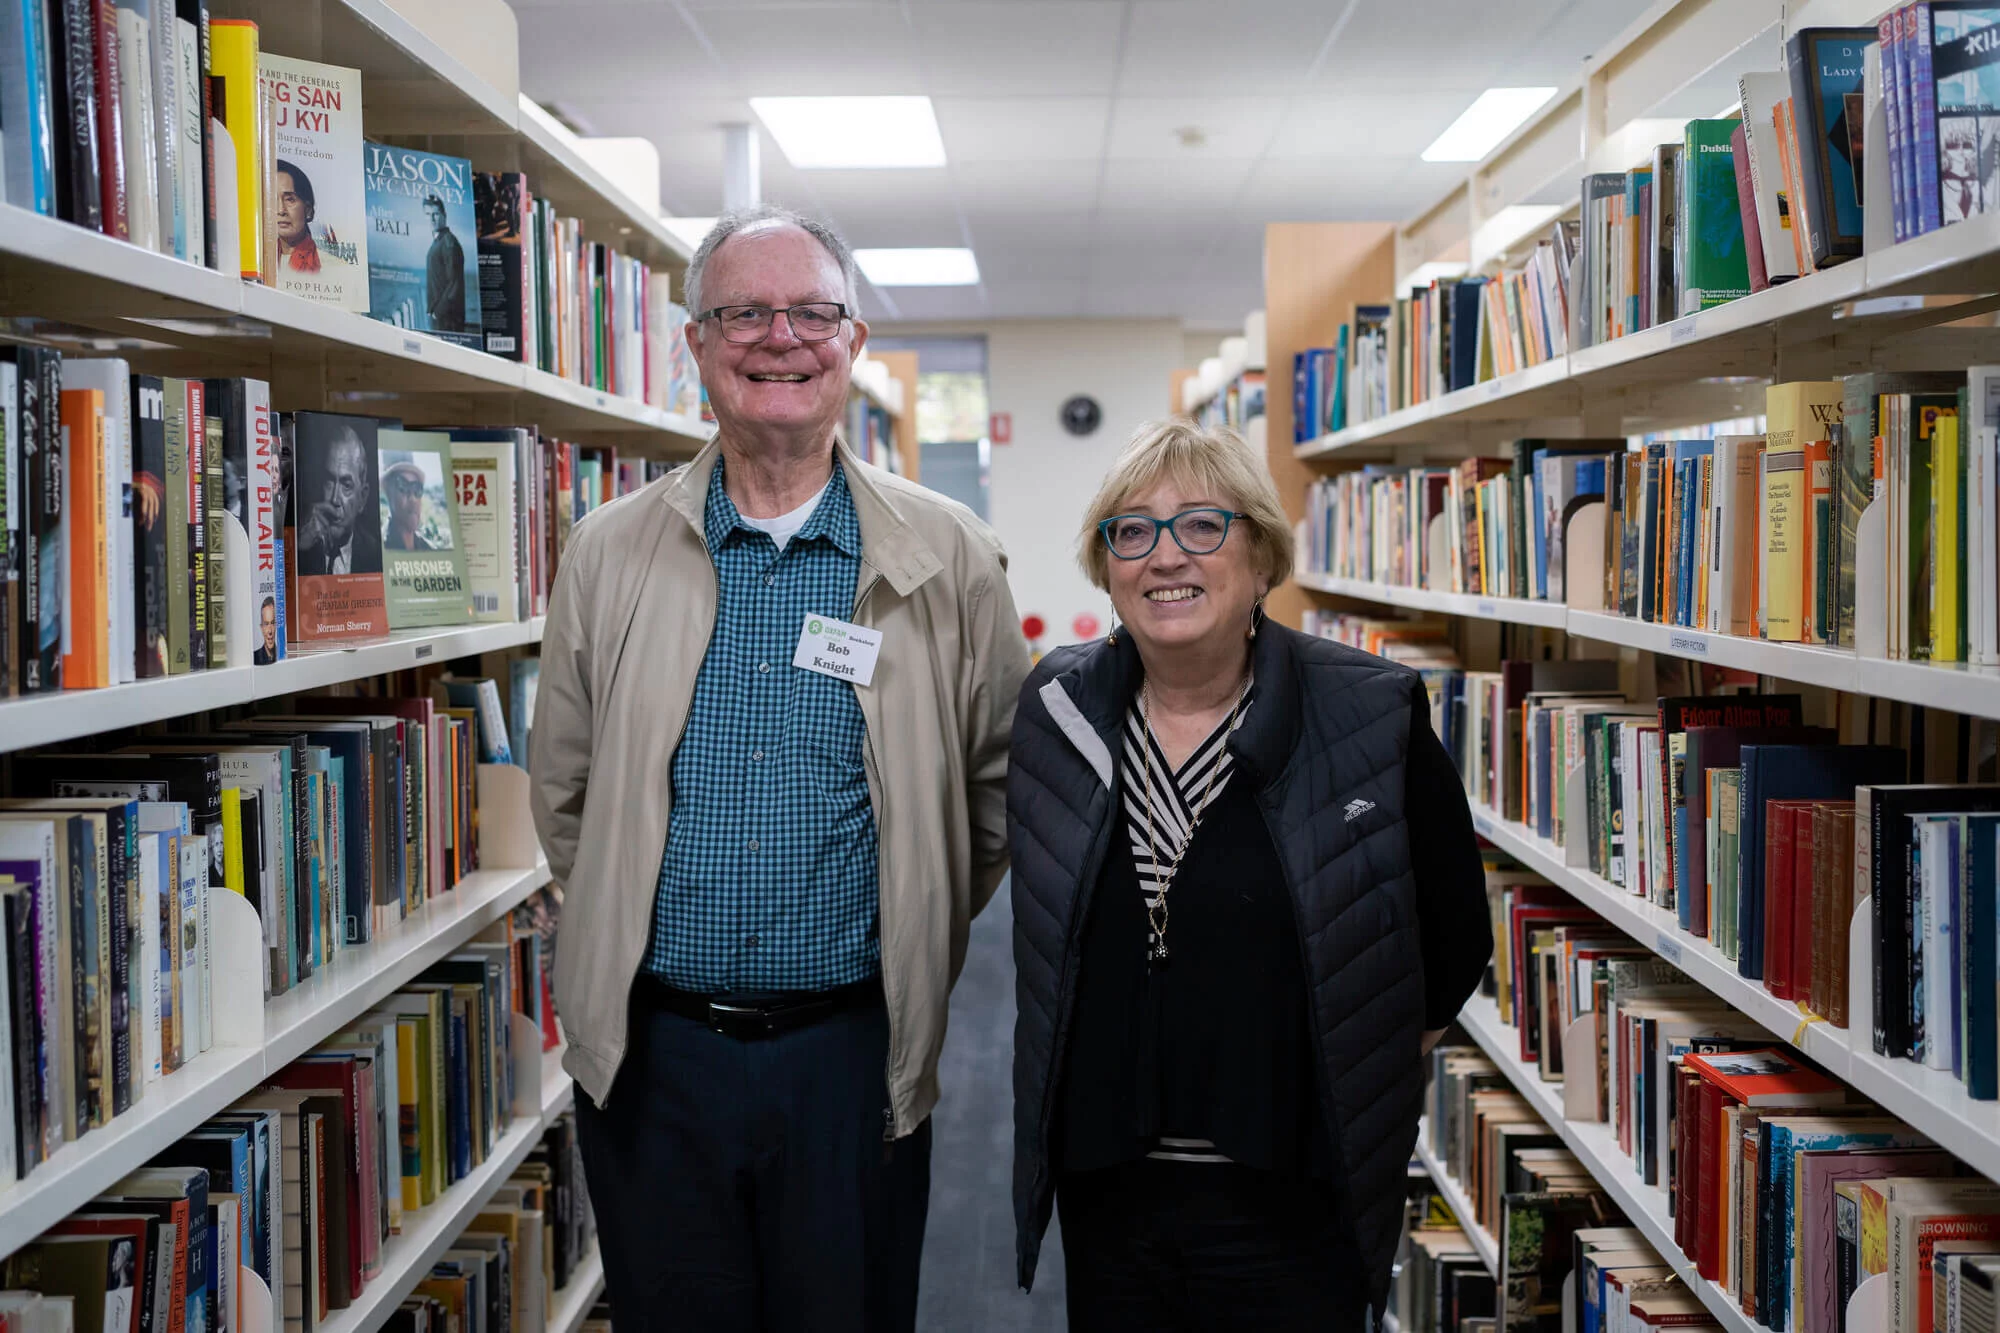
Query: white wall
[{"x": 1043, "y": 480}]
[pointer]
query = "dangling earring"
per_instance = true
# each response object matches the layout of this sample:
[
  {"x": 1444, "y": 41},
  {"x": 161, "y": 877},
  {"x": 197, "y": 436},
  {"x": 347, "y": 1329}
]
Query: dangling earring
[
  {"x": 1256, "y": 619},
  {"x": 1111, "y": 639}
]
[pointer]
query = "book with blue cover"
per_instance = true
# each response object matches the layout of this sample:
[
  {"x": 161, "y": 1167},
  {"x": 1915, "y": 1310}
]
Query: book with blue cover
[
  {"x": 1792, "y": 773},
  {"x": 1825, "y": 67},
  {"x": 423, "y": 245},
  {"x": 1965, "y": 81},
  {"x": 1466, "y": 295}
]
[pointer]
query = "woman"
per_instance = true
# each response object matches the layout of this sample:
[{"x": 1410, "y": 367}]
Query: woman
[{"x": 1231, "y": 950}]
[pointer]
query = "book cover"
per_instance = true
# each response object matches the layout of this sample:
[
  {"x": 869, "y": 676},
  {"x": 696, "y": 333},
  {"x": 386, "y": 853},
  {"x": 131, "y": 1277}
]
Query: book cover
[
  {"x": 1767, "y": 1076},
  {"x": 505, "y": 284},
  {"x": 423, "y": 557},
  {"x": 1716, "y": 268},
  {"x": 1965, "y": 74},
  {"x": 337, "y": 591},
  {"x": 483, "y": 482},
  {"x": 87, "y": 582},
  {"x": 423, "y": 257},
  {"x": 73, "y": 67},
  {"x": 318, "y": 233},
  {"x": 249, "y": 492},
  {"x": 1824, "y": 66},
  {"x": 1798, "y": 414},
  {"x": 242, "y": 111}
]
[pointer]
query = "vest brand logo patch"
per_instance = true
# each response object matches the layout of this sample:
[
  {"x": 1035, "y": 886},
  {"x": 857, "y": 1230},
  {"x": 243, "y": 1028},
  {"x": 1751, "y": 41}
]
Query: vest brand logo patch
[{"x": 1358, "y": 807}]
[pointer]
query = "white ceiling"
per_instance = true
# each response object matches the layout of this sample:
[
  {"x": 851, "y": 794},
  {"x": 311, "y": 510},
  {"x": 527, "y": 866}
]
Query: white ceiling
[{"x": 1066, "y": 174}]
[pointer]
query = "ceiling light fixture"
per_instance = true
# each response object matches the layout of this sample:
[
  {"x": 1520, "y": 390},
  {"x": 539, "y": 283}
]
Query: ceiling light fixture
[
  {"x": 949, "y": 267},
  {"x": 1493, "y": 115},
  {"x": 824, "y": 132}
]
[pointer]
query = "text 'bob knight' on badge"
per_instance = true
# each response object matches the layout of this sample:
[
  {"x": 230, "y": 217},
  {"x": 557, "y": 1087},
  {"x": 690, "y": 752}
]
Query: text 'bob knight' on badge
[{"x": 838, "y": 649}]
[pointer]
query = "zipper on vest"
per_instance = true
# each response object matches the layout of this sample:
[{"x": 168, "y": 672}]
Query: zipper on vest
[
  {"x": 868, "y": 761},
  {"x": 1066, "y": 983}
]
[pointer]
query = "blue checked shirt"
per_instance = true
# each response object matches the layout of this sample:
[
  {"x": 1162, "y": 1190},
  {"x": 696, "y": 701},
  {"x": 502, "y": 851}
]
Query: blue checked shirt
[{"x": 769, "y": 878}]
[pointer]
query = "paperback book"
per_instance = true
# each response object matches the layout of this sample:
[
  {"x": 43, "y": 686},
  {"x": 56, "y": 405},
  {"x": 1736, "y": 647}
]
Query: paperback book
[
  {"x": 318, "y": 234},
  {"x": 423, "y": 565},
  {"x": 423, "y": 254},
  {"x": 337, "y": 575}
]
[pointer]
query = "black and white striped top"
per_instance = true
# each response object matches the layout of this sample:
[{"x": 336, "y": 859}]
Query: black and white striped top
[
  {"x": 1171, "y": 799},
  {"x": 1158, "y": 812}
]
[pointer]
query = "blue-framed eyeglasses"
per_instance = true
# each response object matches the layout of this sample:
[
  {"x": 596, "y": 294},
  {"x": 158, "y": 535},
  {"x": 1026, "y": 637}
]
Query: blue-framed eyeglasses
[{"x": 1196, "y": 531}]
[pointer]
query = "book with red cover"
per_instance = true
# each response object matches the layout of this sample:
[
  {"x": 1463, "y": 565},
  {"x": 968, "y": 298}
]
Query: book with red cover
[
  {"x": 110, "y": 142},
  {"x": 1806, "y": 858},
  {"x": 331, "y": 1093},
  {"x": 1707, "y": 1250},
  {"x": 1768, "y": 1076},
  {"x": 144, "y": 1229},
  {"x": 1781, "y": 859},
  {"x": 1524, "y": 917}
]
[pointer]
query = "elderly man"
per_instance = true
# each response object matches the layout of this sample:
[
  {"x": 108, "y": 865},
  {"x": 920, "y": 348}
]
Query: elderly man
[{"x": 768, "y": 766}]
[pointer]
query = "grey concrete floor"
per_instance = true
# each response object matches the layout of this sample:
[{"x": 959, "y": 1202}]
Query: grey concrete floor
[{"x": 968, "y": 1273}]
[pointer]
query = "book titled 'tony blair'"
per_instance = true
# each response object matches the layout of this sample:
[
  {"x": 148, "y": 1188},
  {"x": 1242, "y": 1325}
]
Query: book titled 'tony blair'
[{"x": 423, "y": 245}]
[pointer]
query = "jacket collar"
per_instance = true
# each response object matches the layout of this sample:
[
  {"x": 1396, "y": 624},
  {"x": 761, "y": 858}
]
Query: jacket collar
[
  {"x": 1105, "y": 676},
  {"x": 889, "y": 545}
]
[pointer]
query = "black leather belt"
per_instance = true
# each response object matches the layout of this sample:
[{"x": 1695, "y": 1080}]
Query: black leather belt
[{"x": 752, "y": 1016}]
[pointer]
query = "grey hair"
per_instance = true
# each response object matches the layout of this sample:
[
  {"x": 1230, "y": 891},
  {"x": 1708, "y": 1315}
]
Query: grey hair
[{"x": 737, "y": 220}]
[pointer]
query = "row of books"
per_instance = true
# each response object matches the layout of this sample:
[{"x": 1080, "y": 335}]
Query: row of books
[
  {"x": 1236, "y": 404},
  {"x": 1441, "y": 1285},
  {"x": 1783, "y": 1188},
  {"x": 132, "y": 490},
  {"x": 505, "y": 1272},
  {"x": 154, "y": 122},
  {"x": 870, "y": 431},
  {"x": 1756, "y": 535},
  {"x": 1935, "y": 74},
  {"x": 334, "y": 821},
  {"x": 1556, "y": 1230},
  {"x": 304, "y": 1182}
]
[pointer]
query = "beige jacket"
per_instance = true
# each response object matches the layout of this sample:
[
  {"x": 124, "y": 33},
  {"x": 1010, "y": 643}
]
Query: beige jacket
[{"x": 629, "y": 622}]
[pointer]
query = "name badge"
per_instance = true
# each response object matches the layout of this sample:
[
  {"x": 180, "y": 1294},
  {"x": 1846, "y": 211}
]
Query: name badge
[{"x": 838, "y": 649}]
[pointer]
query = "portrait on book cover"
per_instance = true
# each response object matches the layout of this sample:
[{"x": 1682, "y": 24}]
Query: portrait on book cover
[
  {"x": 415, "y": 511},
  {"x": 423, "y": 255},
  {"x": 336, "y": 501}
]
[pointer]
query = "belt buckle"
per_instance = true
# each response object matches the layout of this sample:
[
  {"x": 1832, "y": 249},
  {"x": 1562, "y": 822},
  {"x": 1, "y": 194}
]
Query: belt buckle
[{"x": 724, "y": 1019}]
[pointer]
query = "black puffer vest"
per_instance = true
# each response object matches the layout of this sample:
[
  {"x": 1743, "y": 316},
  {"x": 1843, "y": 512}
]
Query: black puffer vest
[{"x": 1326, "y": 747}]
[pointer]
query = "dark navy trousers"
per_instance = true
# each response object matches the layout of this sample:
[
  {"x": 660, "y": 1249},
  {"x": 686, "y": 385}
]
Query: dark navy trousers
[{"x": 746, "y": 1185}]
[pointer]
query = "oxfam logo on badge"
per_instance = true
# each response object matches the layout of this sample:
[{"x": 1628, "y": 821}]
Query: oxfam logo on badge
[{"x": 814, "y": 627}]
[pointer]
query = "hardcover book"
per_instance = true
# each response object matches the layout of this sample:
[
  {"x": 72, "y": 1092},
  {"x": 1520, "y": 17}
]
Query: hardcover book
[
  {"x": 1825, "y": 65},
  {"x": 318, "y": 237},
  {"x": 1714, "y": 268},
  {"x": 482, "y": 472},
  {"x": 423, "y": 559},
  {"x": 337, "y": 590},
  {"x": 242, "y": 114},
  {"x": 249, "y": 492},
  {"x": 423, "y": 257}
]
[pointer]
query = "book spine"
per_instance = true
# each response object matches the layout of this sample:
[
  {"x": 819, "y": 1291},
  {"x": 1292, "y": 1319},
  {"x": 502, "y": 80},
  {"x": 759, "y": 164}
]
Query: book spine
[
  {"x": 118, "y": 863},
  {"x": 87, "y": 662},
  {"x": 176, "y": 515},
  {"x": 74, "y": 59},
  {"x": 110, "y": 140},
  {"x": 1923, "y": 91},
  {"x": 197, "y": 511},
  {"x": 49, "y": 513}
]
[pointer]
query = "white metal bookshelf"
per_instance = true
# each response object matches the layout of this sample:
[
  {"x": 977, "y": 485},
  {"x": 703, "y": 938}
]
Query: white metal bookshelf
[
  {"x": 1596, "y": 1148},
  {"x": 1459, "y": 1202},
  {"x": 573, "y": 1302},
  {"x": 49, "y": 719},
  {"x": 294, "y": 1023},
  {"x": 1954, "y": 687}
]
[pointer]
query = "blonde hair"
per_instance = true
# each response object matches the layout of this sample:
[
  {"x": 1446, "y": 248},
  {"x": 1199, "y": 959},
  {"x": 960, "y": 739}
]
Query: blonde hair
[{"x": 1198, "y": 459}]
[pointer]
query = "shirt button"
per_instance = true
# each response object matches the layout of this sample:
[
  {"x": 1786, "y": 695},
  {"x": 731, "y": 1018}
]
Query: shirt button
[
  {"x": 770, "y": 579},
  {"x": 763, "y": 668},
  {"x": 750, "y": 941},
  {"x": 757, "y": 756},
  {"x": 753, "y": 845}
]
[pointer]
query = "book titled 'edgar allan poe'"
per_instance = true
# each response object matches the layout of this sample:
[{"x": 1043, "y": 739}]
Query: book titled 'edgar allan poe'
[
  {"x": 318, "y": 233},
  {"x": 423, "y": 247},
  {"x": 337, "y": 571}
]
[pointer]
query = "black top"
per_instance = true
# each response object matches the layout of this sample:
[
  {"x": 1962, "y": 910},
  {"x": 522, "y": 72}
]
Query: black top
[{"x": 1216, "y": 1044}]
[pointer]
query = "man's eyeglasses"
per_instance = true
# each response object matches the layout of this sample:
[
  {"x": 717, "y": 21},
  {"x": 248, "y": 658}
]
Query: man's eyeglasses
[
  {"x": 813, "y": 322},
  {"x": 1196, "y": 531}
]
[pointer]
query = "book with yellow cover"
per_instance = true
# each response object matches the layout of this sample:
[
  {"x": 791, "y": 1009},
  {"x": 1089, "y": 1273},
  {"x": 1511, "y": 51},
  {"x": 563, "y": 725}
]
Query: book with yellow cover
[
  {"x": 1947, "y": 559},
  {"x": 87, "y": 617},
  {"x": 232, "y": 840},
  {"x": 1796, "y": 415},
  {"x": 242, "y": 109}
]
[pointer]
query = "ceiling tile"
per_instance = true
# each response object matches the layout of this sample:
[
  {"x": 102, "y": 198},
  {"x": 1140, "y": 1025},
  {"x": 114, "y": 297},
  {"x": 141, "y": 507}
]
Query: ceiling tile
[
  {"x": 815, "y": 50},
  {"x": 1333, "y": 189},
  {"x": 1193, "y": 46},
  {"x": 564, "y": 55},
  {"x": 1178, "y": 183},
  {"x": 1001, "y": 265},
  {"x": 913, "y": 303},
  {"x": 1052, "y": 230},
  {"x": 1353, "y": 126},
  {"x": 1023, "y": 129},
  {"x": 1019, "y": 47},
  {"x": 1037, "y": 298},
  {"x": 1151, "y": 127},
  {"x": 1025, "y": 187}
]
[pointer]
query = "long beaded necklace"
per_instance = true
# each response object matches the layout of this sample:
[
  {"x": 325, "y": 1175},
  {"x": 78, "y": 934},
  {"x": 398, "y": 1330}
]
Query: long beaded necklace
[{"x": 1157, "y": 952}]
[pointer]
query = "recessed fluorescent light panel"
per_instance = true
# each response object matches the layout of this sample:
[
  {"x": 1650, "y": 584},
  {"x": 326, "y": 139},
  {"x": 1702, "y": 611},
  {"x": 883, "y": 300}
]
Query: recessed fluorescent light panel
[
  {"x": 817, "y": 132},
  {"x": 1494, "y": 115},
  {"x": 919, "y": 268}
]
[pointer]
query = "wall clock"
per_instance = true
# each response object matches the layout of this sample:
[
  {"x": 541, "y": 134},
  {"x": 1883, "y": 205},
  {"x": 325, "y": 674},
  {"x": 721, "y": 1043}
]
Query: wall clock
[{"x": 1081, "y": 415}]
